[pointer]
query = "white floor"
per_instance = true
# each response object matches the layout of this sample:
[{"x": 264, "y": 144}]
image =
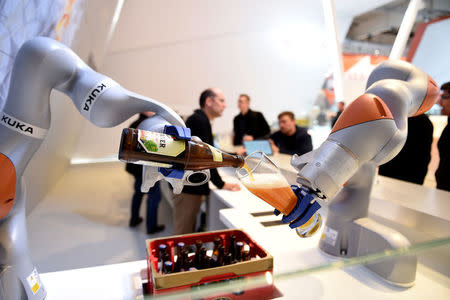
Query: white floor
[{"x": 83, "y": 221}]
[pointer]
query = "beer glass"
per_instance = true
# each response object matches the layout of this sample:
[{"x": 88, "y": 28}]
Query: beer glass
[{"x": 262, "y": 177}]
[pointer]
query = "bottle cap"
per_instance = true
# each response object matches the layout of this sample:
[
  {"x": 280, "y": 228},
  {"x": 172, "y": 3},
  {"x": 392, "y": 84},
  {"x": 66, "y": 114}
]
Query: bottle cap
[{"x": 168, "y": 263}]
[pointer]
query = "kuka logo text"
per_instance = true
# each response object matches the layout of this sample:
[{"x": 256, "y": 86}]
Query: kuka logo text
[
  {"x": 92, "y": 96},
  {"x": 17, "y": 124}
]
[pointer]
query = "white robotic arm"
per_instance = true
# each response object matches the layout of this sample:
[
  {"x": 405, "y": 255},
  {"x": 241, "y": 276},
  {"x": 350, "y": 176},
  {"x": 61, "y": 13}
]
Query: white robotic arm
[
  {"x": 370, "y": 131},
  {"x": 43, "y": 64}
]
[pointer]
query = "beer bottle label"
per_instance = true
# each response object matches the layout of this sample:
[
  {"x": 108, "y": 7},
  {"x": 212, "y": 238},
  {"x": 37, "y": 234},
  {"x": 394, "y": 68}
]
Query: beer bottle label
[
  {"x": 160, "y": 143},
  {"x": 217, "y": 155}
]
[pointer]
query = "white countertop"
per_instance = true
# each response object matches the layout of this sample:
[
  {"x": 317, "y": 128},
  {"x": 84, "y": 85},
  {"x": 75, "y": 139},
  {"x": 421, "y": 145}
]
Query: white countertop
[
  {"x": 427, "y": 200},
  {"x": 110, "y": 282},
  {"x": 292, "y": 253}
]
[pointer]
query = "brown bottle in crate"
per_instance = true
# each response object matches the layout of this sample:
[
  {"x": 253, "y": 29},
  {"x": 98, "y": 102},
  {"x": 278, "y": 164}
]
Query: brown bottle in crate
[
  {"x": 203, "y": 259},
  {"x": 232, "y": 247},
  {"x": 168, "y": 265},
  {"x": 179, "y": 263},
  {"x": 239, "y": 246},
  {"x": 245, "y": 255},
  {"x": 215, "y": 253},
  {"x": 221, "y": 256},
  {"x": 185, "y": 261},
  {"x": 180, "y": 248},
  {"x": 166, "y": 257},
  {"x": 198, "y": 246},
  {"x": 228, "y": 259},
  {"x": 210, "y": 263},
  {"x": 147, "y": 147},
  {"x": 161, "y": 254}
]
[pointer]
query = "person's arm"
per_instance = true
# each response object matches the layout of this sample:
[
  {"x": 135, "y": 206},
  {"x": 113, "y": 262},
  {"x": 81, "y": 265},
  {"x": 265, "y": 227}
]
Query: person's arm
[
  {"x": 216, "y": 179},
  {"x": 273, "y": 140},
  {"x": 274, "y": 147}
]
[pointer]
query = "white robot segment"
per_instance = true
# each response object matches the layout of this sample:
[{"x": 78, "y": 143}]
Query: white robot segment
[
  {"x": 371, "y": 131},
  {"x": 43, "y": 64}
]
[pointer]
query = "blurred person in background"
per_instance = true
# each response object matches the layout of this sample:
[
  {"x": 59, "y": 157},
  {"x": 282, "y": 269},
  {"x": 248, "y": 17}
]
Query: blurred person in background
[
  {"x": 248, "y": 125},
  {"x": 341, "y": 107},
  {"x": 187, "y": 204},
  {"x": 154, "y": 194},
  {"x": 443, "y": 172},
  {"x": 324, "y": 100},
  {"x": 411, "y": 163},
  {"x": 290, "y": 139}
]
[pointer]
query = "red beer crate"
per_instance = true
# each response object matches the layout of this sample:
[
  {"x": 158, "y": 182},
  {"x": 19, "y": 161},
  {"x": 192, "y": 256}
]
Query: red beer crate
[{"x": 176, "y": 282}]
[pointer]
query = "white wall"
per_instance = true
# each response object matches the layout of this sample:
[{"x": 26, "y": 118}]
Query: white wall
[
  {"x": 87, "y": 39},
  {"x": 171, "y": 50}
]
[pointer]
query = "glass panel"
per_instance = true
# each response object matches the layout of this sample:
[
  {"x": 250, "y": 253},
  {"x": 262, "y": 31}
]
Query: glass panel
[{"x": 432, "y": 272}]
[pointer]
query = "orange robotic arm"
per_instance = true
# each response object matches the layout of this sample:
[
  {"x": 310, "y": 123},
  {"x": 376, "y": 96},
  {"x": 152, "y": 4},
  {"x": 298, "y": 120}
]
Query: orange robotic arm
[{"x": 372, "y": 128}]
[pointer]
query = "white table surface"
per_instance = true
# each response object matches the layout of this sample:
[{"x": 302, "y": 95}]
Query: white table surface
[
  {"x": 110, "y": 282},
  {"x": 292, "y": 253},
  {"x": 298, "y": 253}
]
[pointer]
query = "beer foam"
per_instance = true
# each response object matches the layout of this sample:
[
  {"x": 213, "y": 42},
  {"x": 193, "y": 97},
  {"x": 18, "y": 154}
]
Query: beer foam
[{"x": 265, "y": 180}]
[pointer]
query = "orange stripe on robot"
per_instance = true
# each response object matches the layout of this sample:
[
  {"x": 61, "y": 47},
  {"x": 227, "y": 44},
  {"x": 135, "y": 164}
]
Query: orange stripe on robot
[
  {"x": 367, "y": 107},
  {"x": 7, "y": 185},
  {"x": 430, "y": 98}
]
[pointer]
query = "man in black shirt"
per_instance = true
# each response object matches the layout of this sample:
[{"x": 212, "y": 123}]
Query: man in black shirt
[
  {"x": 341, "y": 106},
  {"x": 443, "y": 172},
  {"x": 411, "y": 163},
  {"x": 290, "y": 139},
  {"x": 187, "y": 204},
  {"x": 249, "y": 125}
]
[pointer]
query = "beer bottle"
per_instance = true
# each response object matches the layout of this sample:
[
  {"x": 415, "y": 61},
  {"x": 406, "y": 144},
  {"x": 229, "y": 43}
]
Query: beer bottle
[
  {"x": 161, "y": 254},
  {"x": 180, "y": 248},
  {"x": 166, "y": 257},
  {"x": 167, "y": 267},
  {"x": 245, "y": 255},
  {"x": 198, "y": 246},
  {"x": 153, "y": 148},
  {"x": 228, "y": 259},
  {"x": 203, "y": 259},
  {"x": 215, "y": 253},
  {"x": 239, "y": 246},
  {"x": 184, "y": 261},
  {"x": 232, "y": 246},
  {"x": 220, "y": 256},
  {"x": 177, "y": 266},
  {"x": 210, "y": 263}
]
